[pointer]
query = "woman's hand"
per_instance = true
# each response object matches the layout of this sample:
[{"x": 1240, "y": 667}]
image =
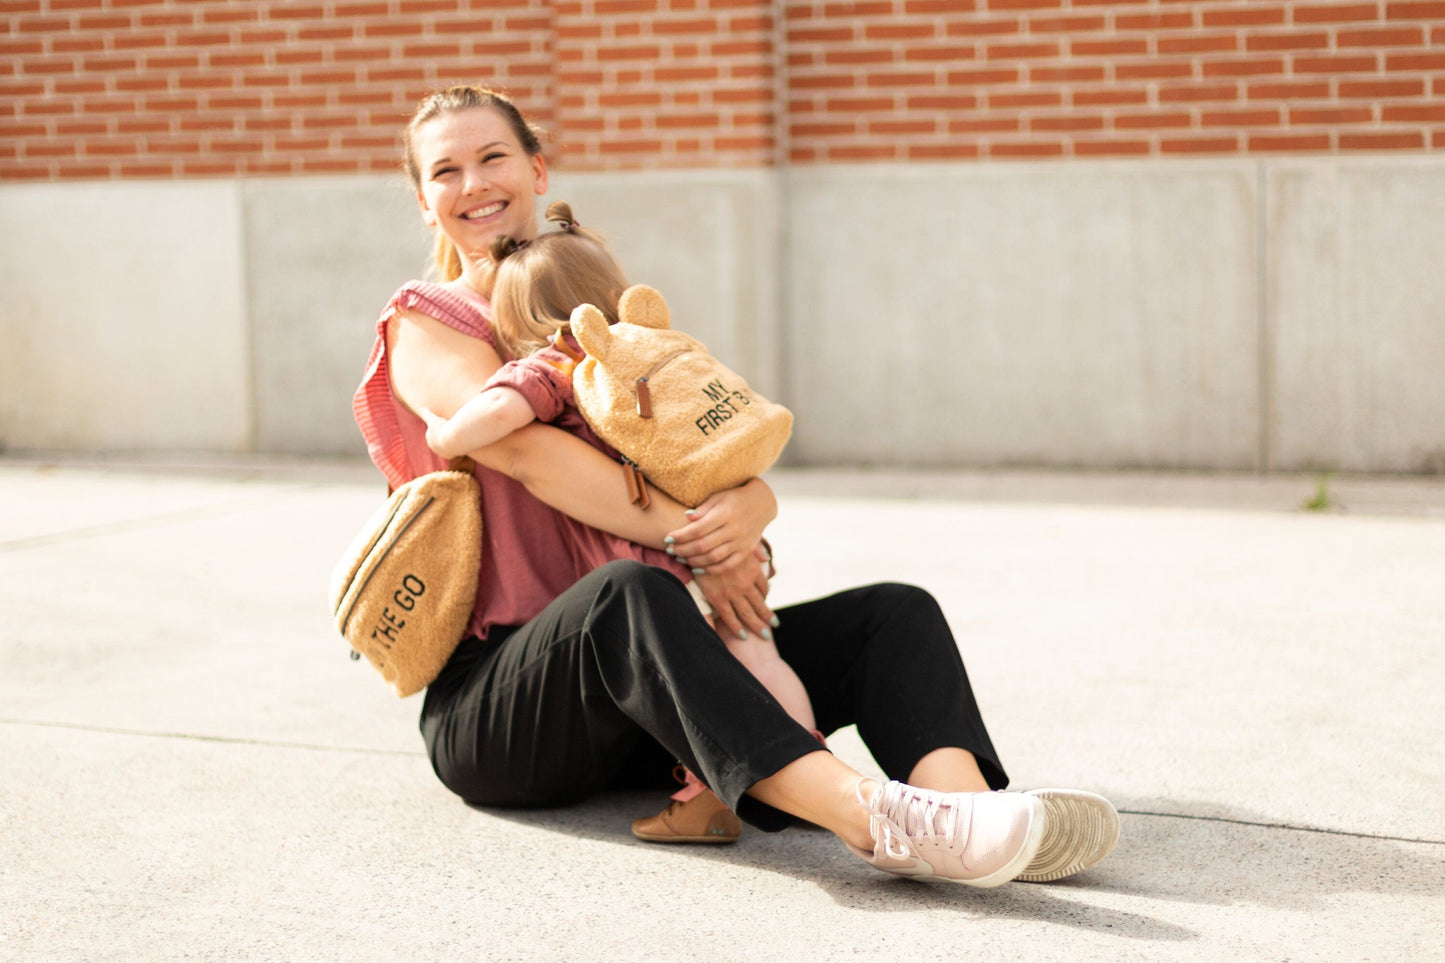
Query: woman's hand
[
  {"x": 725, "y": 529},
  {"x": 739, "y": 598}
]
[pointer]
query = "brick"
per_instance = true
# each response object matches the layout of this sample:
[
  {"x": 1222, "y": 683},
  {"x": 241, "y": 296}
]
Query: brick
[
  {"x": 1153, "y": 120},
  {"x": 913, "y": 8},
  {"x": 62, "y": 44},
  {"x": 942, "y": 101},
  {"x": 1289, "y": 90},
  {"x": 1067, "y": 123},
  {"x": 1381, "y": 37},
  {"x": 953, "y": 54},
  {"x": 1079, "y": 73},
  {"x": 1112, "y": 47},
  {"x": 820, "y": 35},
  {"x": 982, "y": 28},
  {"x": 1382, "y": 140},
  {"x": 1414, "y": 10},
  {"x": 900, "y": 31},
  {"x": 1413, "y": 114},
  {"x": 1254, "y": 15},
  {"x": 1153, "y": 70},
  {"x": 1424, "y": 60},
  {"x": 942, "y": 152},
  {"x": 862, "y": 153},
  {"x": 148, "y": 168},
  {"x": 1198, "y": 93},
  {"x": 1071, "y": 24},
  {"x": 1027, "y": 98},
  {"x": 110, "y": 147},
  {"x": 863, "y": 105},
  {"x": 994, "y": 75},
  {"x": 984, "y": 125},
  {"x": 1313, "y": 40},
  {"x": 1176, "y": 20},
  {"x": 898, "y": 79},
  {"x": 1334, "y": 12},
  {"x": 1402, "y": 87},
  {"x": 1024, "y": 4},
  {"x": 1111, "y": 148},
  {"x": 1249, "y": 67},
  {"x": 1260, "y": 117},
  {"x": 1288, "y": 142},
  {"x": 859, "y": 56},
  {"x": 1108, "y": 97},
  {"x": 901, "y": 128},
  {"x": 1199, "y": 145},
  {"x": 1021, "y": 51},
  {"x": 1199, "y": 43},
  {"x": 1330, "y": 116},
  {"x": 1023, "y": 149}
]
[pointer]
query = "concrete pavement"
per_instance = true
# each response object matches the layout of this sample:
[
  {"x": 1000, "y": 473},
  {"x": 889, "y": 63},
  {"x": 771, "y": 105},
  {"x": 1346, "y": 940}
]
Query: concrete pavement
[{"x": 193, "y": 769}]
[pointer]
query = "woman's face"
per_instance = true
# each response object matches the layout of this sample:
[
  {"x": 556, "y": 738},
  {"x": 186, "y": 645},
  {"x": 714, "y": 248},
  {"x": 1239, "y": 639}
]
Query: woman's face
[{"x": 477, "y": 183}]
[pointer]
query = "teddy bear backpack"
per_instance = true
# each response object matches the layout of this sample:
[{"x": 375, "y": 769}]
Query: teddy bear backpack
[{"x": 685, "y": 421}]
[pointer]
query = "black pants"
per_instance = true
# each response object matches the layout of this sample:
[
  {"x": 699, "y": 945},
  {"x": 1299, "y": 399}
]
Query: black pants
[{"x": 620, "y": 676}]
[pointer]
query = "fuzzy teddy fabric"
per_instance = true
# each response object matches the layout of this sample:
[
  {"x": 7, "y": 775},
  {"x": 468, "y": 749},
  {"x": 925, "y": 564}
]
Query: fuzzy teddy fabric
[
  {"x": 404, "y": 591},
  {"x": 690, "y": 424}
]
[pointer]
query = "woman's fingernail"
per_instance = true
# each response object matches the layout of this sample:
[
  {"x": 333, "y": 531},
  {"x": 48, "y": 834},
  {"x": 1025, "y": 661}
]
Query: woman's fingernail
[
  {"x": 668, "y": 540},
  {"x": 671, "y": 551},
  {"x": 743, "y": 634},
  {"x": 689, "y": 512},
  {"x": 699, "y": 571},
  {"x": 767, "y": 634},
  {"x": 775, "y": 621}
]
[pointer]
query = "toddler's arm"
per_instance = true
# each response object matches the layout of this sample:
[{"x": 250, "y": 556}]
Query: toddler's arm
[{"x": 488, "y": 417}]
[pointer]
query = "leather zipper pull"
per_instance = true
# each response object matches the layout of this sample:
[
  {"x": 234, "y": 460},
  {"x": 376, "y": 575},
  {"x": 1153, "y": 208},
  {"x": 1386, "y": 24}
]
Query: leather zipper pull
[
  {"x": 636, "y": 484},
  {"x": 644, "y": 398}
]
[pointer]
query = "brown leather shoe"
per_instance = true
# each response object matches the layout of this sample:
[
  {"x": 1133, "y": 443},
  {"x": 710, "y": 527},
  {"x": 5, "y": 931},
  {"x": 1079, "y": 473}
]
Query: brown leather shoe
[{"x": 702, "y": 819}]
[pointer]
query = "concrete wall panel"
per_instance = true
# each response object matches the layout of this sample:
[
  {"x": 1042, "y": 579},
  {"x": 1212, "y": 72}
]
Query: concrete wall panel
[
  {"x": 323, "y": 255},
  {"x": 1101, "y": 315},
  {"x": 708, "y": 240},
  {"x": 1357, "y": 308},
  {"x": 123, "y": 319}
]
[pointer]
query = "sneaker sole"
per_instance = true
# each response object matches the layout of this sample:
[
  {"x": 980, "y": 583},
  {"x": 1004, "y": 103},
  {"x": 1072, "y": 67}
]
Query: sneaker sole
[
  {"x": 713, "y": 840},
  {"x": 1084, "y": 829}
]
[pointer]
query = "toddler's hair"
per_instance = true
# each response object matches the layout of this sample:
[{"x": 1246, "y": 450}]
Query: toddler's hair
[{"x": 539, "y": 282}]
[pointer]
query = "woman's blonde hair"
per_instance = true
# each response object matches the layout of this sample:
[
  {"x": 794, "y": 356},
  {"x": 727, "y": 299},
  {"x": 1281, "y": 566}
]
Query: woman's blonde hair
[
  {"x": 539, "y": 282},
  {"x": 454, "y": 100}
]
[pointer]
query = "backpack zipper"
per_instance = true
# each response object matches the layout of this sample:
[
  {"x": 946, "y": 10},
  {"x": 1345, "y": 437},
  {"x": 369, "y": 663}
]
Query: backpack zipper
[{"x": 644, "y": 394}]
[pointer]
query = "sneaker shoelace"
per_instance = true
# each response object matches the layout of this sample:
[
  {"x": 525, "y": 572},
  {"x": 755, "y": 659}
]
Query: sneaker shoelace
[{"x": 898, "y": 811}]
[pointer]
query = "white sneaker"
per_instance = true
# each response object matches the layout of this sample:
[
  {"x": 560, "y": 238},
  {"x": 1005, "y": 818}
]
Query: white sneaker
[
  {"x": 1082, "y": 828},
  {"x": 975, "y": 838}
]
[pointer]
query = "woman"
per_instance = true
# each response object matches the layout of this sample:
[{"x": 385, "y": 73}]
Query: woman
[{"x": 574, "y": 682}]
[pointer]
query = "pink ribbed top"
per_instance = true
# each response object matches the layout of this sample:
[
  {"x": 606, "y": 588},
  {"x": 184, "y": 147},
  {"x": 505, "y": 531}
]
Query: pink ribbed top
[{"x": 531, "y": 552}]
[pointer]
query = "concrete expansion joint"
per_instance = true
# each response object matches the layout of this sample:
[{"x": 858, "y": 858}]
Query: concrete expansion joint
[
  {"x": 197, "y": 737},
  {"x": 283, "y": 744},
  {"x": 1289, "y": 827}
]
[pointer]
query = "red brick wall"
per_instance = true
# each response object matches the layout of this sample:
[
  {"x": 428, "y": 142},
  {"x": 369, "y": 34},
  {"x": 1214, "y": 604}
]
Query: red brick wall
[
  {"x": 930, "y": 79},
  {"x": 162, "y": 88}
]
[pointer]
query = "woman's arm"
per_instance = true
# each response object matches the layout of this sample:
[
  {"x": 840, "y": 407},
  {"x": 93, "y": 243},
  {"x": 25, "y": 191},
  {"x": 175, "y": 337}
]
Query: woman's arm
[{"x": 435, "y": 367}]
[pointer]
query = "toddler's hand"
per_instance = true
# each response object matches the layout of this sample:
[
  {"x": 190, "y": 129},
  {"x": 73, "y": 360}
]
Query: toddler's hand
[{"x": 436, "y": 433}]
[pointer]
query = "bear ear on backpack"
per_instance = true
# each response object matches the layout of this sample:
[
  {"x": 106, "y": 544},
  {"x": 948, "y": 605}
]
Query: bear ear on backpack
[
  {"x": 644, "y": 307},
  {"x": 589, "y": 327}
]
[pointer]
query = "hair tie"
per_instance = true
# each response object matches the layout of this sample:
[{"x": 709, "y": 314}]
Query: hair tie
[
  {"x": 561, "y": 213},
  {"x": 504, "y": 246}
]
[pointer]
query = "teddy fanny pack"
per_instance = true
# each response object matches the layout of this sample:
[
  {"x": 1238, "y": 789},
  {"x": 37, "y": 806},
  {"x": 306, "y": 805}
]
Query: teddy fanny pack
[
  {"x": 404, "y": 591},
  {"x": 681, "y": 419}
]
